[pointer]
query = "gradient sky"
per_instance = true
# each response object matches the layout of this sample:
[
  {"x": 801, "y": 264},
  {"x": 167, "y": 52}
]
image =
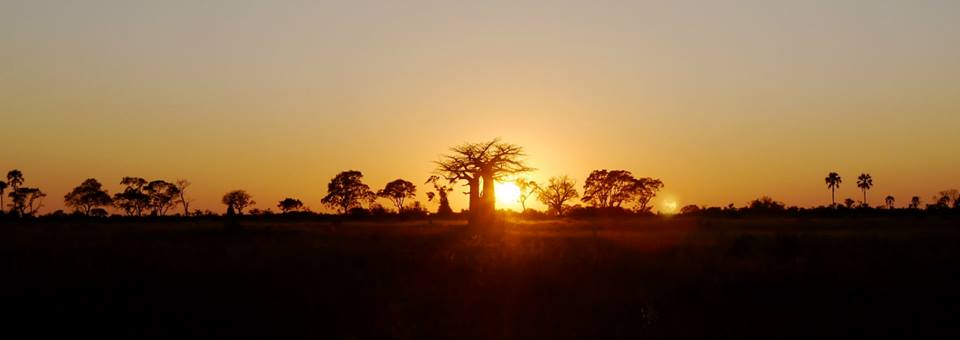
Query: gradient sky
[{"x": 722, "y": 100}]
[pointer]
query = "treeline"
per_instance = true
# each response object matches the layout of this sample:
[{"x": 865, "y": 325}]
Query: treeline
[{"x": 476, "y": 166}]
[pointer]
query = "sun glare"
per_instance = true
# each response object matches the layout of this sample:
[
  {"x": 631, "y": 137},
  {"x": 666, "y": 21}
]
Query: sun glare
[
  {"x": 507, "y": 194},
  {"x": 670, "y": 206}
]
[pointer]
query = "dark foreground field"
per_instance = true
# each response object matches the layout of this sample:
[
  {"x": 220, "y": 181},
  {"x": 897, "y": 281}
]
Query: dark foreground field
[{"x": 654, "y": 278}]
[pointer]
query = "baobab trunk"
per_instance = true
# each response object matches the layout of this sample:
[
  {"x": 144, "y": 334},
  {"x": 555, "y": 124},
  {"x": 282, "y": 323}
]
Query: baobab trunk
[
  {"x": 489, "y": 194},
  {"x": 475, "y": 204}
]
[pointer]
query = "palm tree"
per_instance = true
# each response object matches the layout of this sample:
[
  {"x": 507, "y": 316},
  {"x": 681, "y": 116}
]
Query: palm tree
[
  {"x": 890, "y": 201},
  {"x": 864, "y": 182},
  {"x": 833, "y": 182}
]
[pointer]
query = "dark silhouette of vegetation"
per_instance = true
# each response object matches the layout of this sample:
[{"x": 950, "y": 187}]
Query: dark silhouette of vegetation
[
  {"x": 482, "y": 164},
  {"x": 133, "y": 200},
  {"x": 24, "y": 201},
  {"x": 397, "y": 192},
  {"x": 346, "y": 191},
  {"x": 3, "y": 189},
  {"x": 440, "y": 192},
  {"x": 833, "y": 183},
  {"x": 182, "y": 185},
  {"x": 161, "y": 196},
  {"x": 865, "y": 182},
  {"x": 890, "y": 201},
  {"x": 848, "y": 203},
  {"x": 288, "y": 205},
  {"x": 88, "y": 196},
  {"x": 609, "y": 189},
  {"x": 556, "y": 194},
  {"x": 766, "y": 204},
  {"x": 915, "y": 202},
  {"x": 236, "y": 201}
]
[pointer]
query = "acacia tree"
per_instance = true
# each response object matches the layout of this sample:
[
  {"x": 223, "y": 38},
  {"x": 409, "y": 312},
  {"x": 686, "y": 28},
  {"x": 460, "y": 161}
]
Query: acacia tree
[
  {"x": 162, "y": 196},
  {"x": 289, "y": 204},
  {"x": 14, "y": 181},
  {"x": 482, "y": 164},
  {"x": 643, "y": 191},
  {"x": 346, "y": 190},
  {"x": 865, "y": 182},
  {"x": 88, "y": 196},
  {"x": 556, "y": 193},
  {"x": 440, "y": 191},
  {"x": 833, "y": 181},
  {"x": 132, "y": 200},
  {"x": 398, "y": 191},
  {"x": 237, "y": 200},
  {"x": 528, "y": 189}
]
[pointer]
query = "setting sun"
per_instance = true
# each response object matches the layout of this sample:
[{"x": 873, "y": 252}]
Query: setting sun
[{"x": 507, "y": 193}]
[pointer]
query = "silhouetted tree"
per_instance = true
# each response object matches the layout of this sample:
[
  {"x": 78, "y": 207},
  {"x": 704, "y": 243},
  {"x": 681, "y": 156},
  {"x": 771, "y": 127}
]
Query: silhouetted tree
[
  {"x": 613, "y": 188},
  {"x": 766, "y": 203},
  {"x": 237, "y": 200},
  {"x": 162, "y": 196},
  {"x": 528, "y": 189},
  {"x": 346, "y": 191},
  {"x": 88, "y": 196},
  {"x": 398, "y": 191},
  {"x": 690, "y": 209},
  {"x": 849, "y": 202},
  {"x": 182, "y": 185},
  {"x": 24, "y": 201},
  {"x": 441, "y": 191},
  {"x": 865, "y": 182},
  {"x": 289, "y": 204},
  {"x": 482, "y": 164},
  {"x": 98, "y": 212},
  {"x": 944, "y": 198},
  {"x": 132, "y": 200},
  {"x": 557, "y": 192},
  {"x": 833, "y": 183},
  {"x": 890, "y": 201},
  {"x": 915, "y": 202},
  {"x": 3, "y": 189}
]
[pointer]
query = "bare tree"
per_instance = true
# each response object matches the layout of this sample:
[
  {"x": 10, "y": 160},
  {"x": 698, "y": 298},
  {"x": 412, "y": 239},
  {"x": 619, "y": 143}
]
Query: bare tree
[
  {"x": 182, "y": 185},
  {"x": 557, "y": 192},
  {"x": 528, "y": 189}
]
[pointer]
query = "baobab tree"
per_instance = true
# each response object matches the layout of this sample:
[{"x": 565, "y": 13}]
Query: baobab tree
[
  {"x": 482, "y": 164},
  {"x": 398, "y": 191},
  {"x": 557, "y": 192},
  {"x": 864, "y": 182},
  {"x": 833, "y": 183}
]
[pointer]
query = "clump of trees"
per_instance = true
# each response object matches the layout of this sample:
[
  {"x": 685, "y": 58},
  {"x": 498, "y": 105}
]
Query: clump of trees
[
  {"x": 25, "y": 201},
  {"x": 617, "y": 188}
]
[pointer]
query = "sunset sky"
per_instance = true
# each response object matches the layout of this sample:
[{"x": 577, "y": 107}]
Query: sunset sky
[{"x": 722, "y": 100}]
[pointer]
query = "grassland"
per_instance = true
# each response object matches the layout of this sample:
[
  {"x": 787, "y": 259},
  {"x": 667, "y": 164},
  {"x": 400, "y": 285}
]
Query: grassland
[{"x": 642, "y": 278}]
